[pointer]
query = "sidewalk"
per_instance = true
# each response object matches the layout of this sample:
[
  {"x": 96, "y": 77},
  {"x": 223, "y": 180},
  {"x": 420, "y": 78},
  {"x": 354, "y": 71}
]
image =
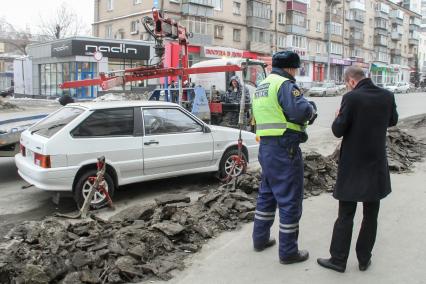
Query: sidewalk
[{"x": 398, "y": 257}]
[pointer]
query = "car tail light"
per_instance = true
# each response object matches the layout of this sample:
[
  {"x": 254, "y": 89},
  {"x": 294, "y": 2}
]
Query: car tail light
[
  {"x": 42, "y": 160},
  {"x": 22, "y": 149}
]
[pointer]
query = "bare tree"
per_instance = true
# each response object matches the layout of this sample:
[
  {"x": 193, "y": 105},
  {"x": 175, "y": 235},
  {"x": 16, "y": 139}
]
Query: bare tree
[
  {"x": 63, "y": 23},
  {"x": 15, "y": 38}
]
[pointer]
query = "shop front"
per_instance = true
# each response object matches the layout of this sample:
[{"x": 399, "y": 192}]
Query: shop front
[
  {"x": 80, "y": 58},
  {"x": 380, "y": 74}
]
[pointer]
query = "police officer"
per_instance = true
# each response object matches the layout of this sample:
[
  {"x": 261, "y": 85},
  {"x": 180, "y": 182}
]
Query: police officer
[{"x": 281, "y": 113}]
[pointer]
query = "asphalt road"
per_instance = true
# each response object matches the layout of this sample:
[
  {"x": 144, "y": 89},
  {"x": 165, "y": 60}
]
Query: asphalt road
[{"x": 17, "y": 204}]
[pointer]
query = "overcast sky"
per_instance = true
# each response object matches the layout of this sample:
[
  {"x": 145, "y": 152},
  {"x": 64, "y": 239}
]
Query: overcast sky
[{"x": 21, "y": 13}]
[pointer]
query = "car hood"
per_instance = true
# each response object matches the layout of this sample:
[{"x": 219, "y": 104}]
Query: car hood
[{"x": 231, "y": 132}]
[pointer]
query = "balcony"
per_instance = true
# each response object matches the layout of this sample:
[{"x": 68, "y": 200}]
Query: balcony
[
  {"x": 356, "y": 41},
  {"x": 294, "y": 29},
  {"x": 413, "y": 27},
  {"x": 395, "y": 52},
  {"x": 395, "y": 35},
  {"x": 381, "y": 14},
  {"x": 200, "y": 8},
  {"x": 380, "y": 31},
  {"x": 380, "y": 41},
  {"x": 337, "y": 18},
  {"x": 297, "y": 6},
  {"x": 258, "y": 22},
  {"x": 201, "y": 39},
  {"x": 396, "y": 59},
  {"x": 260, "y": 47},
  {"x": 355, "y": 5},
  {"x": 355, "y": 24},
  {"x": 413, "y": 41},
  {"x": 396, "y": 21}
]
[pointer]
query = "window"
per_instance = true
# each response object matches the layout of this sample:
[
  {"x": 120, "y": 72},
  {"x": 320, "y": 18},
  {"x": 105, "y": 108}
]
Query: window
[
  {"x": 336, "y": 48},
  {"x": 218, "y": 4},
  {"x": 319, "y": 6},
  {"x": 133, "y": 27},
  {"x": 218, "y": 31},
  {"x": 106, "y": 122},
  {"x": 258, "y": 35},
  {"x": 236, "y": 35},
  {"x": 308, "y": 25},
  {"x": 318, "y": 47},
  {"x": 319, "y": 27},
  {"x": 303, "y": 70},
  {"x": 296, "y": 18},
  {"x": 199, "y": 25},
  {"x": 281, "y": 41},
  {"x": 297, "y": 41},
  {"x": 281, "y": 18},
  {"x": 110, "y": 5},
  {"x": 108, "y": 31},
  {"x": 168, "y": 121},
  {"x": 135, "y": 2},
  {"x": 336, "y": 28},
  {"x": 51, "y": 125},
  {"x": 236, "y": 8}
]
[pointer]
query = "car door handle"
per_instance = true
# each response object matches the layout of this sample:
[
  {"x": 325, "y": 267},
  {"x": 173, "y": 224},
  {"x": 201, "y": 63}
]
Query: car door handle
[{"x": 151, "y": 142}]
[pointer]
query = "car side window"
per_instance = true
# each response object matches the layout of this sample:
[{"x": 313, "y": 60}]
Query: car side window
[
  {"x": 107, "y": 122},
  {"x": 168, "y": 121}
]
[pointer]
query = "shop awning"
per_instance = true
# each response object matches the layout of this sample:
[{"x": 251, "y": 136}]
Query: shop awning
[{"x": 379, "y": 67}]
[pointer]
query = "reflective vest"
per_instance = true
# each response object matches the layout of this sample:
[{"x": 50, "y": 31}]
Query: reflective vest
[{"x": 267, "y": 111}]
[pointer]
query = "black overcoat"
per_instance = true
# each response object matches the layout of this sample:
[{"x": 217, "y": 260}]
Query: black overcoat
[{"x": 365, "y": 114}]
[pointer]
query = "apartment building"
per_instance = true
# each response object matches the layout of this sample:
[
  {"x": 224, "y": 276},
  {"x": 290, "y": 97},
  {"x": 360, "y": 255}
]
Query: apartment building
[{"x": 380, "y": 36}]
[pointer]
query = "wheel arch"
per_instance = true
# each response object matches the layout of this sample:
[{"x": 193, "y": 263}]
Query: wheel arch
[
  {"x": 109, "y": 169},
  {"x": 235, "y": 147}
]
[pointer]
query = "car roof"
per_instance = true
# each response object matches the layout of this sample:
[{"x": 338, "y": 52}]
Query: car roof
[{"x": 120, "y": 104}]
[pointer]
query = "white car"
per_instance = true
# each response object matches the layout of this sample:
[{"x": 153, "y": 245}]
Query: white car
[
  {"x": 141, "y": 141},
  {"x": 324, "y": 89},
  {"x": 402, "y": 87}
]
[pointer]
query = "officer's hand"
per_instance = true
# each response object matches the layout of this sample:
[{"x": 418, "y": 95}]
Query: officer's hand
[
  {"x": 313, "y": 105},
  {"x": 311, "y": 121}
]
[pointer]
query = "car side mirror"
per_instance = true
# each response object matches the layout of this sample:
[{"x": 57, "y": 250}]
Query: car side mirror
[{"x": 206, "y": 129}]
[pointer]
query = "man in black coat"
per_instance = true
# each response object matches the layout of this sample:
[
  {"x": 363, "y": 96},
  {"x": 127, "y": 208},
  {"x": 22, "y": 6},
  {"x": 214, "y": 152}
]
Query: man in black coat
[{"x": 365, "y": 114}]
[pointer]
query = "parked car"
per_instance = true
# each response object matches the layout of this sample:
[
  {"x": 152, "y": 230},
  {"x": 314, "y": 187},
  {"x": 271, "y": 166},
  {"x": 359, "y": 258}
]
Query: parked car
[
  {"x": 7, "y": 92},
  {"x": 141, "y": 140},
  {"x": 401, "y": 87},
  {"x": 324, "y": 89}
]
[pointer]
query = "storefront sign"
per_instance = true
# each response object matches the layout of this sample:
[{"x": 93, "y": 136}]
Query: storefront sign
[
  {"x": 218, "y": 52},
  {"x": 108, "y": 49}
]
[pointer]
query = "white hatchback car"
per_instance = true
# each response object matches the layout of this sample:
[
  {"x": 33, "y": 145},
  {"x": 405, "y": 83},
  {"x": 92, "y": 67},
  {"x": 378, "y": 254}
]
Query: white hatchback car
[{"x": 140, "y": 140}]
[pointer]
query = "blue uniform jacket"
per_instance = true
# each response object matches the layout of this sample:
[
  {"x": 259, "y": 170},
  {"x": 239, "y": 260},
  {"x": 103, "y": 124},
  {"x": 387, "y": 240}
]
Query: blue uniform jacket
[{"x": 296, "y": 108}]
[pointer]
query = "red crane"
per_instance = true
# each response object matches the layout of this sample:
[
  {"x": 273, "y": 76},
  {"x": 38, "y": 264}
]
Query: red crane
[{"x": 160, "y": 28}]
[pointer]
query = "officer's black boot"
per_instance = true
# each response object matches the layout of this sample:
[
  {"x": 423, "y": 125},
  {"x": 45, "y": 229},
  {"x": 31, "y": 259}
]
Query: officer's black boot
[
  {"x": 300, "y": 256},
  {"x": 268, "y": 244}
]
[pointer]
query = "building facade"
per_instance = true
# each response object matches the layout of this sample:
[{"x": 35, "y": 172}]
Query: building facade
[{"x": 380, "y": 36}]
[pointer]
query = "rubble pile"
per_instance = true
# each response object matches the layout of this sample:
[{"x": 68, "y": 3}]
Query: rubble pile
[
  {"x": 137, "y": 244},
  {"x": 403, "y": 149},
  {"x": 4, "y": 105},
  {"x": 319, "y": 176}
]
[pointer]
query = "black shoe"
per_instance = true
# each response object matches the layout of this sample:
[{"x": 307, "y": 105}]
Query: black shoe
[
  {"x": 364, "y": 267},
  {"x": 328, "y": 263},
  {"x": 268, "y": 244},
  {"x": 301, "y": 256}
]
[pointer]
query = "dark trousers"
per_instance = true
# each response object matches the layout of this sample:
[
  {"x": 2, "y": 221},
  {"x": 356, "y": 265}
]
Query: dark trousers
[{"x": 342, "y": 232}]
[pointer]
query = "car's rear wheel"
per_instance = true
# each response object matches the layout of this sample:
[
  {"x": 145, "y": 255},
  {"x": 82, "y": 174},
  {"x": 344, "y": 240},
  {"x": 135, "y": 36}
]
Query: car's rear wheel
[
  {"x": 324, "y": 93},
  {"x": 83, "y": 186},
  {"x": 229, "y": 166}
]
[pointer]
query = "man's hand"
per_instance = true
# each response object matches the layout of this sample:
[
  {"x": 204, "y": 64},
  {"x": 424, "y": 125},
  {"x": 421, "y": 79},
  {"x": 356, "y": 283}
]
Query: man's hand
[
  {"x": 337, "y": 113},
  {"x": 314, "y": 114}
]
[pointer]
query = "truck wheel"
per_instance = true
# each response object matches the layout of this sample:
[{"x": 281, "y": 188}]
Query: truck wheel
[
  {"x": 227, "y": 165},
  {"x": 82, "y": 189}
]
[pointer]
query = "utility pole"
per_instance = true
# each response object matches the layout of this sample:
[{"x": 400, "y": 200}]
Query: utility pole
[{"x": 276, "y": 20}]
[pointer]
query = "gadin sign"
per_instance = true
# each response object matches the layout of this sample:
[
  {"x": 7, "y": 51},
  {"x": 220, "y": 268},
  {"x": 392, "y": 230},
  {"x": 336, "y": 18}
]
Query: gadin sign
[{"x": 108, "y": 49}]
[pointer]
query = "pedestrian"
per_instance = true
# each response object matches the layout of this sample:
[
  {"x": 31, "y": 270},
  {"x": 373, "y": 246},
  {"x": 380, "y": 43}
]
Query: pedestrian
[
  {"x": 365, "y": 113},
  {"x": 235, "y": 91},
  {"x": 281, "y": 113},
  {"x": 174, "y": 92}
]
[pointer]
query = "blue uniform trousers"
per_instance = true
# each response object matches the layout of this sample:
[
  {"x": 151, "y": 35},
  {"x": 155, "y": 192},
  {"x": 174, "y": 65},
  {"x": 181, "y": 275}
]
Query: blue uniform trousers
[{"x": 282, "y": 185}]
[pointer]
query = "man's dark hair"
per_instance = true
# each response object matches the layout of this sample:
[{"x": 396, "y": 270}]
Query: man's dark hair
[{"x": 355, "y": 73}]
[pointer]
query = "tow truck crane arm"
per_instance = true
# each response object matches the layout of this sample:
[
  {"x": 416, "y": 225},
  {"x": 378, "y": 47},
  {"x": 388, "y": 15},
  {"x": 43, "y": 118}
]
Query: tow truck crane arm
[{"x": 159, "y": 28}]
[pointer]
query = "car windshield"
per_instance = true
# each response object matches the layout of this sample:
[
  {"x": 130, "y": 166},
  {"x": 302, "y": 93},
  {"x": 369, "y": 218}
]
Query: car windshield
[
  {"x": 255, "y": 74},
  {"x": 55, "y": 122}
]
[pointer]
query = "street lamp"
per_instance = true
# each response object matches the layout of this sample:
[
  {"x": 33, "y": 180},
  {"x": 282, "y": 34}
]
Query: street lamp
[{"x": 330, "y": 4}]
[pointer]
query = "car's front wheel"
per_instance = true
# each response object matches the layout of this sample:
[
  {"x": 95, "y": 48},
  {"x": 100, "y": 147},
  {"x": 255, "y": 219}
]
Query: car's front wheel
[
  {"x": 84, "y": 184},
  {"x": 229, "y": 165}
]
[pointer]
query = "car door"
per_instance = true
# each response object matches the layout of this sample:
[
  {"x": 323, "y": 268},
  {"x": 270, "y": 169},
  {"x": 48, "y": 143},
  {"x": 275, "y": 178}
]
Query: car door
[
  {"x": 174, "y": 142},
  {"x": 112, "y": 133}
]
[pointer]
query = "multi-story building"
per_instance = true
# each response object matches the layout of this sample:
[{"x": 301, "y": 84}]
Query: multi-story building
[{"x": 381, "y": 36}]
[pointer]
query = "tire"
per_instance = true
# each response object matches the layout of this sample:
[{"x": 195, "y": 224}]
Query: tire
[
  {"x": 83, "y": 185},
  {"x": 324, "y": 94},
  {"x": 226, "y": 163}
]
